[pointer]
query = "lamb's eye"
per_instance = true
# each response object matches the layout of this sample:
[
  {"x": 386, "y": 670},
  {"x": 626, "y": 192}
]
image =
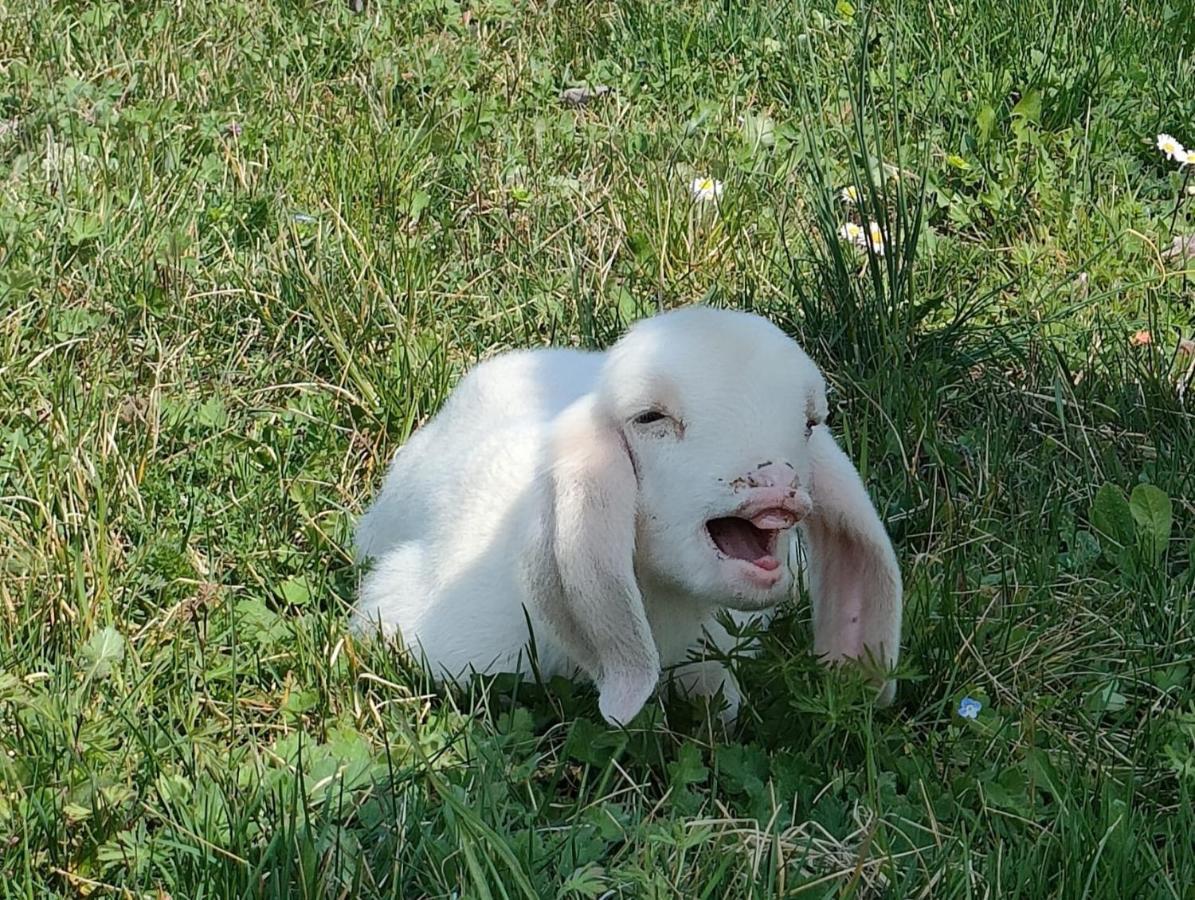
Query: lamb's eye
[
  {"x": 810, "y": 424},
  {"x": 646, "y": 418}
]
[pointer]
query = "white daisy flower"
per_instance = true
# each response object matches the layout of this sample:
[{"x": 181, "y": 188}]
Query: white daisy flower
[
  {"x": 1182, "y": 156},
  {"x": 706, "y": 189},
  {"x": 850, "y": 194},
  {"x": 851, "y": 232},
  {"x": 875, "y": 237},
  {"x": 1172, "y": 148},
  {"x": 862, "y": 237}
]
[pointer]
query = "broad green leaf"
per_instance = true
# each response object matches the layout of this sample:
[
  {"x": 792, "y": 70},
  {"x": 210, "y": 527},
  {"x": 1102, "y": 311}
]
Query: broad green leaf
[
  {"x": 628, "y": 306},
  {"x": 587, "y": 881},
  {"x": 985, "y": 119},
  {"x": 592, "y": 744},
  {"x": 1044, "y": 773},
  {"x": 418, "y": 203},
  {"x": 744, "y": 769},
  {"x": 77, "y": 321},
  {"x": 103, "y": 650},
  {"x": 76, "y": 812},
  {"x": 1111, "y": 517},
  {"x": 1106, "y": 699},
  {"x": 1084, "y": 550},
  {"x": 212, "y": 413},
  {"x": 1152, "y": 511},
  {"x": 1171, "y": 677},
  {"x": 759, "y": 131},
  {"x": 688, "y": 768},
  {"x": 1008, "y": 791},
  {"x": 258, "y": 623},
  {"x": 296, "y": 591},
  {"x": 173, "y": 787},
  {"x": 1029, "y": 106}
]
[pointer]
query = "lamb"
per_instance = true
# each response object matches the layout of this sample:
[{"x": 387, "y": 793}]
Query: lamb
[{"x": 609, "y": 505}]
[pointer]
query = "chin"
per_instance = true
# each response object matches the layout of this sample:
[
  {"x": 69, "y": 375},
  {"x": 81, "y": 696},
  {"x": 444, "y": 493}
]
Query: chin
[
  {"x": 751, "y": 598},
  {"x": 732, "y": 584}
]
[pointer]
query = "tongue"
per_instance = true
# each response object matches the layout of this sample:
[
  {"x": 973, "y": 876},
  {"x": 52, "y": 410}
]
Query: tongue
[{"x": 739, "y": 539}]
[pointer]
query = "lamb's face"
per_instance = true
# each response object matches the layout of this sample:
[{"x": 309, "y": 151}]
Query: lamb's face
[{"x": 716, "y": 409}]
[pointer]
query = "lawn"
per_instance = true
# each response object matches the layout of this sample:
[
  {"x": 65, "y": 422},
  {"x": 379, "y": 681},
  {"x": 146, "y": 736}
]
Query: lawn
[{"x": 247, "y": 247}]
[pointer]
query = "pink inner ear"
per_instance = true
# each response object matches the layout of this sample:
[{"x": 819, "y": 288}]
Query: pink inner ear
[
  {"x": 854, "y": 580},
  {"x": 842, "y": 573}
]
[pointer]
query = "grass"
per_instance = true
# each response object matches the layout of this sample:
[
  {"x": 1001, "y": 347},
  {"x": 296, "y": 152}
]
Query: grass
[{"x": 246, "y": 248}]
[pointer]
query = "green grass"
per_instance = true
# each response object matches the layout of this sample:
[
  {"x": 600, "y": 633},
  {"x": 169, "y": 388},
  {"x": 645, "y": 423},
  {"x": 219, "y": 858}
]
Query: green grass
[{"x": 246, "y": 248}]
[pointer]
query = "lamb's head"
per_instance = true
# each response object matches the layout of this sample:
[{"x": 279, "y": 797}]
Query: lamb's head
[
  {"x": 716, "y": 409},
  {"x": 687, "y": 469}
]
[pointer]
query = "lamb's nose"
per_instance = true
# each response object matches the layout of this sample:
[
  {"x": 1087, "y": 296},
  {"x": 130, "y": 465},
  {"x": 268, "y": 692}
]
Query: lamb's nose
[{"x": 772, "y": 474}]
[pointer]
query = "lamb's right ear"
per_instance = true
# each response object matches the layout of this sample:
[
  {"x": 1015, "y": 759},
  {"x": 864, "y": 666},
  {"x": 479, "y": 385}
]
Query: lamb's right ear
[{"x": 603, "y": 621}]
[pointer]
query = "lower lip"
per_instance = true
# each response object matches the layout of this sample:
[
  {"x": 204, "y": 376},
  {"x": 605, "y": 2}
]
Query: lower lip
[{"x": 758, "y": 575}]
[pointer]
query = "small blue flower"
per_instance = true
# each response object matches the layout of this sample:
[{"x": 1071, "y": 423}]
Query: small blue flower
[{"x": 969, "y": 708}]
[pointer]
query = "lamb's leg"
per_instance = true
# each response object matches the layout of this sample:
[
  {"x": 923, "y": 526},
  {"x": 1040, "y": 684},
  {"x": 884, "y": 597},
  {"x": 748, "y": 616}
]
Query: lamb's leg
[
  {"x": 392, "y": 592},
  {"x": 705, "y": 678},
  {"x": 705, "y": 675}
]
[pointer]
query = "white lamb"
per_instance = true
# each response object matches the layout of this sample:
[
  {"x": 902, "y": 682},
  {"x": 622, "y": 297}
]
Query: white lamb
[{"x": 616, "y": 502}]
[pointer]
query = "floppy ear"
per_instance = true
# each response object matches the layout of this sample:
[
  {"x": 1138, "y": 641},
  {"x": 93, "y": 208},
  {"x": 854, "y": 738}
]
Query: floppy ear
[
  {"x": 854, "y": 580},
  {"x": 602, "y": 621}
]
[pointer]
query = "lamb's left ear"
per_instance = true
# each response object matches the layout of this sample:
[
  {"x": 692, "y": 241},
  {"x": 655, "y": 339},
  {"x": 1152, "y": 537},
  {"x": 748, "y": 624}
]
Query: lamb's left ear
[{"x": 854, "y": 580}]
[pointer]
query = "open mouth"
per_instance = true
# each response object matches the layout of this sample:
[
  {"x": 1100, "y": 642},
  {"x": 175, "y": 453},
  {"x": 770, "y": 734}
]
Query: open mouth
[{"x": 750, "y": 540}]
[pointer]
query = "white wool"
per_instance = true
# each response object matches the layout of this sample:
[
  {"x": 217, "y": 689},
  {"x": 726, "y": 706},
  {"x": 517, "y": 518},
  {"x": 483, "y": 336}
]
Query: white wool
[{"x": 534, "y": 496}]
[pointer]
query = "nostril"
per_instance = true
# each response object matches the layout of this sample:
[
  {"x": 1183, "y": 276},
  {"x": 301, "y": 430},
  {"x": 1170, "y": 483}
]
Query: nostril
[
  {"x": 772, "y": 474},
  {"x": 781, "y": 477}
]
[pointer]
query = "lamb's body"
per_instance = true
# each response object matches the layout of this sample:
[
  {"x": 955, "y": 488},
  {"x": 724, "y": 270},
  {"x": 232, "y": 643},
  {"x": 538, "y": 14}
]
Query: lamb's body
[
  {"x": 608, "y": 506},
  {"x": 485, "y": 519},
  {"x": 497, "y": 414}
]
